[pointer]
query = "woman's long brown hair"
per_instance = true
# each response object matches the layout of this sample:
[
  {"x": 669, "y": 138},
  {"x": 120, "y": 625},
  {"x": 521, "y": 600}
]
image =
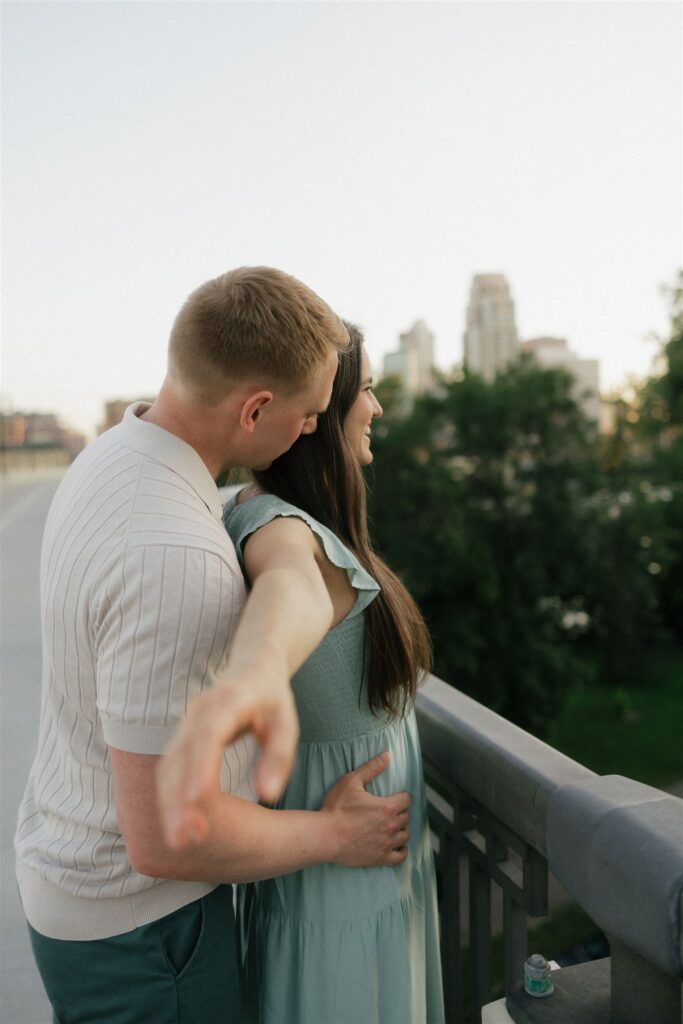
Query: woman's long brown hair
[{"x": 321, "y": 475}]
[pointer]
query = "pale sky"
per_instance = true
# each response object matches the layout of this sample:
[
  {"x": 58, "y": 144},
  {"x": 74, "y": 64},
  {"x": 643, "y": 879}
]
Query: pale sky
[{"x": 382, "y": 152}]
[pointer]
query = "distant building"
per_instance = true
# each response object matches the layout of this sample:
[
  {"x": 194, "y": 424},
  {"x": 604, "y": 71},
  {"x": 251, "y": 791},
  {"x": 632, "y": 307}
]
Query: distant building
[
  {"x": 403, "y": 365},
  {"x": 555, "y": 353},
  {"x": 413, "y": 363},
  {"x": 42, "y": 430},
  {"x": 74, "y": 442},
  {"x": 420, "y": 341},
  {"x": 33, "y": 431},
  {"x": 114, "y": 410},
  {"x": 12, "y": 430},
  {"x": 490, "y": 339}
]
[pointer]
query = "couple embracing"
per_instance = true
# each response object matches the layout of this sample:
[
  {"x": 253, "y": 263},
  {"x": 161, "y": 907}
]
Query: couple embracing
[{"x": 126, "y": 860}]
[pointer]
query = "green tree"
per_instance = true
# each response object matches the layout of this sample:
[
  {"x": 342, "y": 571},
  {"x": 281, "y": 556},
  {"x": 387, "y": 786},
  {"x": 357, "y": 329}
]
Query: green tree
[
  {"x": 659, "y": 410},
  {"x": 494, "y": 503},
  {"x": 456, "y": 506},
  {"x": 670, "y": 384}
]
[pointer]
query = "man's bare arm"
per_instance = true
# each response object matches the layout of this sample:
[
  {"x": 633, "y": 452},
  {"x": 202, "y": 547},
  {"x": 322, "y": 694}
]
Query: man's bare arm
[{"x": 246, "y": 842}]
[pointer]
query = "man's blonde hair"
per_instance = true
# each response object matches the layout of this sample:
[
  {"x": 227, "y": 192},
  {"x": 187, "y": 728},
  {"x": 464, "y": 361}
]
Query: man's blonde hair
[{"x": 253, "y": 322}]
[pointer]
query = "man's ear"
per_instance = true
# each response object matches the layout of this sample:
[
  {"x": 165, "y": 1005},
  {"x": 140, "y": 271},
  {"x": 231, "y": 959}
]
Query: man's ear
[{"x": 252, "y": 409}]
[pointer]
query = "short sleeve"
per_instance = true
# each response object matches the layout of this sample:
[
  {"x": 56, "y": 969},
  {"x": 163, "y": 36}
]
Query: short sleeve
[
  {"x": 243, "y": 520},
  {"x": 165, "y": 619}
]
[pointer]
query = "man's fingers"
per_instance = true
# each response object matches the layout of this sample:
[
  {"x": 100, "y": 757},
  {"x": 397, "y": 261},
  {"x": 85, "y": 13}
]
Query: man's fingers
[
  {"x": 215, "y": 718},
  {"x": 400, "y": 839},
  {"x": 182, "y": 824},
  {"x": 397, "y": 856},
  {"x": 402, "y": 820},
  {"x": 399, "y": 803},
  {"x": 189, "y": 761},
  {"x": 371, "y": 769},
  {"x": 278, "y": 736},
  {"x": 206, "y": 732},
  {"x": 190, "y": 771}
]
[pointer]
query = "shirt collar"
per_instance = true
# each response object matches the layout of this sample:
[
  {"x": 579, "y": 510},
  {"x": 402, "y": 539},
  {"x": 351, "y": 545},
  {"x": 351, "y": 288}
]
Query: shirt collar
[{"x": 172, "y": 452}]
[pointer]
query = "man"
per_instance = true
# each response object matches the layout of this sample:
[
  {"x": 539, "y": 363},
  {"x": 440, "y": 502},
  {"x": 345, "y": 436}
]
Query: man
[{"x": 141, "y": 594}]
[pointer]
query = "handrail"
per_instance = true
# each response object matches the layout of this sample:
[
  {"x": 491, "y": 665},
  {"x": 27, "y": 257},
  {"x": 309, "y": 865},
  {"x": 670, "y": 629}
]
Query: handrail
[
  {"x": 617, "y": 847},
  {"x": 509, "y": 772},
  {"x": 615, "y": 844}
]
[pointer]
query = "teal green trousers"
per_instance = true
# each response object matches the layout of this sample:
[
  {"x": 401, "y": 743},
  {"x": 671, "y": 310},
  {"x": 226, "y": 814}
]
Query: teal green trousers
[{"x": 181, "y": 969}]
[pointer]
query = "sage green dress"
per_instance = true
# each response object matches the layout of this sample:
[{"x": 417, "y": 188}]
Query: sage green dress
[{"x": 328, "y": 944}]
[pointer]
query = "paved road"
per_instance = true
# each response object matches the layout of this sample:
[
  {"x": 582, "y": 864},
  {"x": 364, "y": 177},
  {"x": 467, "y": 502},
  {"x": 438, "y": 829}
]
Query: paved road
[{"x": 24, "y": 502}]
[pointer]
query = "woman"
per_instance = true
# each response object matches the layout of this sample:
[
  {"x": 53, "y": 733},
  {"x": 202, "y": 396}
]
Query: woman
[{"x": 335, "y": 945}]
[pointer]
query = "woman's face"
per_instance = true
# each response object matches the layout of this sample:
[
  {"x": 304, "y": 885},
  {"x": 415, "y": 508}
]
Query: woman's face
[{"x": 361, "y": 414}]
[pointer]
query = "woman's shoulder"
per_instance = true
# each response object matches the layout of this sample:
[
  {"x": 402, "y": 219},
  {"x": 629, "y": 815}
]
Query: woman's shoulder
[
  {"x": 252, "y": 509},
  {"x": 244, "y": 517}
]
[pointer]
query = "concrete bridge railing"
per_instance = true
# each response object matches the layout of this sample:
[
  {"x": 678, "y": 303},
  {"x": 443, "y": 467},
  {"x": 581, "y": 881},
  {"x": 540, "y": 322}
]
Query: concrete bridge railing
[{"x": 512, "y": 807}]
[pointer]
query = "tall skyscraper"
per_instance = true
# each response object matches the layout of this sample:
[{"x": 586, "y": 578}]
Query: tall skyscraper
[
  {"x": 555, "y": 352},
  {"x": 414, "y": 360},
  {"x": 491, "y": 341},
  {"x": 420, "y": 340},
  {"x": 404, "y": 365}
]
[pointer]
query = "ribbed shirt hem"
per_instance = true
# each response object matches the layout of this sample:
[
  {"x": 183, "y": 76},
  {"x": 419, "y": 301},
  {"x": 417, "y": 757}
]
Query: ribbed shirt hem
[
  {"x": 59, "y": 915},
  {"x": 137, "y": 739}
]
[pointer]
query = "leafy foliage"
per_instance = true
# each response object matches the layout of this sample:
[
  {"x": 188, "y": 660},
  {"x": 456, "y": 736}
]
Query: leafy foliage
[{"x": 659, "y": 412}]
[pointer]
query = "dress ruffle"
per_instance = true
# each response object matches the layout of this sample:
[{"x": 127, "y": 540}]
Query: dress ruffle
[
  {"x": 382, "y": 968},
  {"x": 243, "y": 520}
]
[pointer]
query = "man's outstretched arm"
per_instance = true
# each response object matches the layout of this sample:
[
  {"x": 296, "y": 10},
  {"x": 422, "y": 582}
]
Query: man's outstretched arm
[{"x": 286, "y": 616}]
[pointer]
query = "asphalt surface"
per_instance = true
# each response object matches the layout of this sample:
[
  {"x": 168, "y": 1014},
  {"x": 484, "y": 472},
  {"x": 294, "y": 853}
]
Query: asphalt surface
[{"x": 24, "y": 501}]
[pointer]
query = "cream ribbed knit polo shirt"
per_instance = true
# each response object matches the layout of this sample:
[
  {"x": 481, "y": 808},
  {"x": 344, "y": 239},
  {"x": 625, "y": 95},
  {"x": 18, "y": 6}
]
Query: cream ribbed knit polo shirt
[{"x": 140, "y": 596}]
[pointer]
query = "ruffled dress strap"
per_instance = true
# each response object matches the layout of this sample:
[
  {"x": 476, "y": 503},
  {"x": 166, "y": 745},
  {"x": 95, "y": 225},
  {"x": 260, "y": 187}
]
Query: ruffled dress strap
[{"x": 242, "y": 520}]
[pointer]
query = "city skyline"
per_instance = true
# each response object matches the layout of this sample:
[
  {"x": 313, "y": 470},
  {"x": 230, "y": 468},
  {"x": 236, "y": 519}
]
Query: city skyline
[
  {"x": 90, "y": 426},
  {"x": 383, "y": 154}
]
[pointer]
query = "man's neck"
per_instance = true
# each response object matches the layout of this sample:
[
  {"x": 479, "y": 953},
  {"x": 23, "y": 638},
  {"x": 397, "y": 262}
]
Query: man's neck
[{"x": 200, "y": 427}]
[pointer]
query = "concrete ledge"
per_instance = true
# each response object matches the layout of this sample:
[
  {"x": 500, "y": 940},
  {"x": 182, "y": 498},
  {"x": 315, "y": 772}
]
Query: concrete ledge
[
  {"x": 617, "y": 846},
  {"x": 509, "y": 772}
]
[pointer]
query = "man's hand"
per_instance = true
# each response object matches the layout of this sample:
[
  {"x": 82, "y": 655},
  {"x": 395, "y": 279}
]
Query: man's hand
[
  {"x": 372, "y": 830},
  {"x": 188, "y": 774}
]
